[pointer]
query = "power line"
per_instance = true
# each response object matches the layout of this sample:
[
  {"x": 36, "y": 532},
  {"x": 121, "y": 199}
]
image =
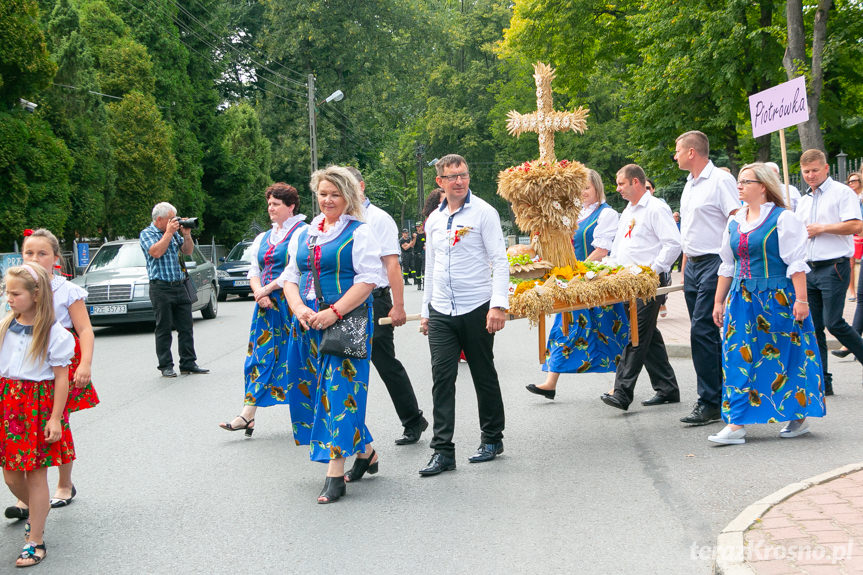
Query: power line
[{"x": 98, "y": 93}]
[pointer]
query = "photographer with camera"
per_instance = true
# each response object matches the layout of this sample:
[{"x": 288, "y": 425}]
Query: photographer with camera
[{"x": 162, "y": 244}]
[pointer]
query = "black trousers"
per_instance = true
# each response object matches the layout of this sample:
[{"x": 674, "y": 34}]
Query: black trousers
[
  {"x": 448, "y": 335},
  {"x": 825, "y": 287},
  {"x": 390, "y": 369},
  {"x": 419, "y": 262},
  {"x": 173, "y": 311},
  {"x": 407, "y": 265},
  {"x": 650, "y": 354},
  {"x": 699, "y": 289}
]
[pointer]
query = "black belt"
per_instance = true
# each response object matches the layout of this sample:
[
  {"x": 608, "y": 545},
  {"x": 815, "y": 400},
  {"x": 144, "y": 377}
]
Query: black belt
[
  {"x": 701, "y": 258},
  {"x": 825, "y": 263},
  {"x": 167, "y": 283},
  {"x": 381, "y": 291}
]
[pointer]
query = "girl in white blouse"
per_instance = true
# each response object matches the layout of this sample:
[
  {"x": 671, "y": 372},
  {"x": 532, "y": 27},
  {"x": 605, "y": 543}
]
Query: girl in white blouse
[{"x": 35, "y": 352}]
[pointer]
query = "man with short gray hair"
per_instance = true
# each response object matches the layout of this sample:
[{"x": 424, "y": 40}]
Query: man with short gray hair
[{"x": 162, "y": 244}]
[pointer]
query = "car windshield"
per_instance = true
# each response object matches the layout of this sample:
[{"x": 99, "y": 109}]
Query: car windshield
[
  {"x": 116, "y": 256},
  {"x": 240, "y": 253}
]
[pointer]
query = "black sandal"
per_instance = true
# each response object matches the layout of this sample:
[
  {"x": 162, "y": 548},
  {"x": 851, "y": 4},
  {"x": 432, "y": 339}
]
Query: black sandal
[
  {"x": 29, "y": 552},
  {"x": 360, "y": 467},
  {"x": 334, "y": 487},
  {"x": 18, "y": 513},
  {"x": 249, "y": 422}
]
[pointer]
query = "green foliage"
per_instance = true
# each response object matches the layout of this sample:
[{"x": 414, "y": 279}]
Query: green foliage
[
  {"x": 143, "y": 161},
  {"x": 24, "y": 64}
]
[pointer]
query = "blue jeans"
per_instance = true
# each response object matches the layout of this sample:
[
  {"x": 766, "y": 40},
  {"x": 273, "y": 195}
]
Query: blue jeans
[{"x": 826, "y": 286}]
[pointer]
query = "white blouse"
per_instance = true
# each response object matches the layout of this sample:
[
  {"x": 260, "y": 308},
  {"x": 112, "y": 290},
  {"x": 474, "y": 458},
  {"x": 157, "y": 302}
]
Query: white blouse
[
  {"x": 792, "y": 240},
  {"x": 15, "y": 362},
  {"x": 365, "y": 252},
  {"x": 277, "y": 235},
  {"x": 606, "y": 225},
  {"x": 65, "y": 294}
]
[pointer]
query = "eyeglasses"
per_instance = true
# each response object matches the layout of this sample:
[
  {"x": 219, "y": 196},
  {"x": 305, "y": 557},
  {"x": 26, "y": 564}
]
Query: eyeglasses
[
  {"x": 854, "y": 181},
  {"x": 454, "y": 177},
  {"x": 744, "y": 182}
]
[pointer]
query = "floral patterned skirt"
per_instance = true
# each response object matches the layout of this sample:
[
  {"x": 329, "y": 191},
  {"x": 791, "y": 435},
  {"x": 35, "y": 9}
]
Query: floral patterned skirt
[
  {"x": 327, "y": 395},
  {"x": 594, "y": 343},
  {"x": 25, "y": 408},
  {"x": 79, "y": 397},
  {"x": 771, "y": 364},
  {"x": 266, "y": 367}
]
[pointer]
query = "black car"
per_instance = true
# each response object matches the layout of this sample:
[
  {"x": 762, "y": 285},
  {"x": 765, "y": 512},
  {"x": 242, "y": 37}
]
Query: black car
[
  {"x": 233, "y": 269},
  {"x": 118, "y": 289}
]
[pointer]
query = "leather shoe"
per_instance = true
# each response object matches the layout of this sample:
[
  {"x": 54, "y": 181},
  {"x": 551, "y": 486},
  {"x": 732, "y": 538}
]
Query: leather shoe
[
  {"x": 168, "y": 372},
  {"x": 193, "y": 369},
  {"x": 828, "y": 389},
  {"x": 611, "y": 400},
  {"x": 412, "y": 434},
  {"x": 660, "y": 399},
  {"x": 438, "y": 464},
  {"x": 486, "y": 452},
  {"x": 702, "y": 415},
  {"x": 546, "y": 393},
  {"x": 841, "y": 352}
]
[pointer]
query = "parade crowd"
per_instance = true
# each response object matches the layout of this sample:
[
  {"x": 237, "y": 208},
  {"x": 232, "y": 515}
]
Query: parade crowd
[{"x": 762, "y": 281}]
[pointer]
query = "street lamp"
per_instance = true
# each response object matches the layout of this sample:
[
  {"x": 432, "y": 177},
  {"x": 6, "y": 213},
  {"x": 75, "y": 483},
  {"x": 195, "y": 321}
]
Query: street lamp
[{"x": 336, "y": 96}]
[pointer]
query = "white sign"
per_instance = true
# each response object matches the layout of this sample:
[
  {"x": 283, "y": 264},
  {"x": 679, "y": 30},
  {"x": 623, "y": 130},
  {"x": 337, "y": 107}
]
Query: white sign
[{"x": 779, "y": 107}]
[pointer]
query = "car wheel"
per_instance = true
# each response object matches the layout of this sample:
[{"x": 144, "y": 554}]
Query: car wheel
[
  {"x": 222, "y": 296},
  {"x": 212, "y": 307}
]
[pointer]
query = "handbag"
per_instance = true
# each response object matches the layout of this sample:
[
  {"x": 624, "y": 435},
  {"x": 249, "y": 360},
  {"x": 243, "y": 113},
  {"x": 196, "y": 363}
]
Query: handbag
[
  {"x": 346, "y": 337},
  {"x": 188, "y": 284}
]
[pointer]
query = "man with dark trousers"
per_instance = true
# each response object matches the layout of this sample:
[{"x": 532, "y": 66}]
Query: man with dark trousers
[
  {"x": 709, "y": 198},
  {"x": 831, "y": 212},
  {"x": 388, "y": 301},
  {"x": 407, "y": 255},
  {"x": 464, "y": 304},
  {"x": 646, "y": 236},
  {"x": 419, "y": 255},
  {"x": 162, "y": 245}
]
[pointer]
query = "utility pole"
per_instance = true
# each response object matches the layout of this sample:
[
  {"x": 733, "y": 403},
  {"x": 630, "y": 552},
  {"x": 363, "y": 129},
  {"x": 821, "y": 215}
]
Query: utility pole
[
  {"x": 313, "y": 127},
  {"x": 420, "y": 150}
]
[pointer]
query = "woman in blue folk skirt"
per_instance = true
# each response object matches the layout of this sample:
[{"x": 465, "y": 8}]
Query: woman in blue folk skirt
[
  {"x": 327, "y": 393},
  {"x": 595, "y": 337},
  {"x": 770, "y": 357},
  {"x": 266, "y": 366}
]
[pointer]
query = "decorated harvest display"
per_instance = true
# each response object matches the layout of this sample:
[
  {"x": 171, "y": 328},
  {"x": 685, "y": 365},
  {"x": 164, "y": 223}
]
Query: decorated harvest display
[{"x": 546, "y": 199}]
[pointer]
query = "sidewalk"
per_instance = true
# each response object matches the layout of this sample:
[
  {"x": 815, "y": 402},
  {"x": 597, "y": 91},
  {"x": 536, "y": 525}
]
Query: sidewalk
[{"x": 811, "y": 527}]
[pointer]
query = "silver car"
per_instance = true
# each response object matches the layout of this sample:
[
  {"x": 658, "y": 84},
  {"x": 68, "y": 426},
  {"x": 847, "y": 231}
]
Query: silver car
[{"x": 118, "y": 289}]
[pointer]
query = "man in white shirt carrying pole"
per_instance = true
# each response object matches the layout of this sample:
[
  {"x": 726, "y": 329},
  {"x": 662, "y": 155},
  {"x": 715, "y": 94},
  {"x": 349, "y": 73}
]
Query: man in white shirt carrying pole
[
  {"x": 467, "y": 279},
  {"x": 831, "y": 212},
  {"x": 709, "y": 198},
  {"x": 646, "y": 235},
  {"x": 388, "y": 301}
]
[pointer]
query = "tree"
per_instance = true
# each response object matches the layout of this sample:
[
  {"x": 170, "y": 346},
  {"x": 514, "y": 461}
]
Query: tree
[
  {"x": 144, "y": 163},
  {"x": 796, "y": 63},
  {"x": 25, "y": 67}
]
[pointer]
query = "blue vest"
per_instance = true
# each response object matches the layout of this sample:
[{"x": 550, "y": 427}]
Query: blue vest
[
  {"x": 273, "y": 259},
  {"x": 582, "y": 240},
  {"x": 335, "y": 263},
  {"x": 757, "y": 262}
]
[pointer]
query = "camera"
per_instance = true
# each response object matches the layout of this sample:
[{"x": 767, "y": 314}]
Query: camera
[{"x": 189, "y": 223}]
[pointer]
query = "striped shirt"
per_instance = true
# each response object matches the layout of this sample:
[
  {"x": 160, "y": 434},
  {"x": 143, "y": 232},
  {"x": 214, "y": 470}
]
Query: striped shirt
[{"x": 167, "y": 267}]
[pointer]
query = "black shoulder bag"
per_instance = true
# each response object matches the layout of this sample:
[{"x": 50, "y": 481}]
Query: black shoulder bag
[
  {"x": 188, "y": 283},
  {"x": 346, "y": 337}
]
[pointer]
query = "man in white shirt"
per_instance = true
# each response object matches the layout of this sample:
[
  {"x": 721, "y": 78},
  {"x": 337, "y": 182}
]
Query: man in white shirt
[
  {"x": 647, "y": 236},
  {"x": 389, "y": 368},
  {"x": 793, "y": 192},
  {"x": 467, "y": 280},
  {"x": 709, "y": 198},
  {"x": 831, "y": 212}
]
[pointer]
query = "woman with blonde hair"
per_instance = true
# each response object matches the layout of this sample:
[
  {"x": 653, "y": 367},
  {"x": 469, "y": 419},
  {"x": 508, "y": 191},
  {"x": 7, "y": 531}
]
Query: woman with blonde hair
[
  {"x": 334, "y": 265},
  {"x": 770, "y": 358},
  {"x": 595, "y": 337}
]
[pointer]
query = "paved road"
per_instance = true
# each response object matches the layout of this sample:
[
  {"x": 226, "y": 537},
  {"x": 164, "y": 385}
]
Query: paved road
[{"x": 582, "y": 488}]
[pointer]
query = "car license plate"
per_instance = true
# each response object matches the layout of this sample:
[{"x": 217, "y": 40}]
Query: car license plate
[
  {"x": 239, "y": 283},
  {"x": 107, "y": 309}
]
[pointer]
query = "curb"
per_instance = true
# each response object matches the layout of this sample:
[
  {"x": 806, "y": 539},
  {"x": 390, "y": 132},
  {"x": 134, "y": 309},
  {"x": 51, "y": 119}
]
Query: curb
[{"x": 731, "y": 539}]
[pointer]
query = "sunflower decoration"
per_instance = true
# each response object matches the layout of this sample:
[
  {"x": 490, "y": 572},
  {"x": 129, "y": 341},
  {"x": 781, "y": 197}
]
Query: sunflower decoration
[{"x": 545, "y": 193}]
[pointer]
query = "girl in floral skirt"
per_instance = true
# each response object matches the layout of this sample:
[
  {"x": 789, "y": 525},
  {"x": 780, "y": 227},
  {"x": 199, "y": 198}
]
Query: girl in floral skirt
[{"x": 35, "y": 353}]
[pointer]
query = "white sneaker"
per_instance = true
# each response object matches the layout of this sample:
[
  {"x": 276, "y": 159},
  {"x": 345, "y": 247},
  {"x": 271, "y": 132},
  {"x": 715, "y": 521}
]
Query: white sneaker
[
  {"x": 729, "y": 436},
  {"x": 794, "y": 428}
]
